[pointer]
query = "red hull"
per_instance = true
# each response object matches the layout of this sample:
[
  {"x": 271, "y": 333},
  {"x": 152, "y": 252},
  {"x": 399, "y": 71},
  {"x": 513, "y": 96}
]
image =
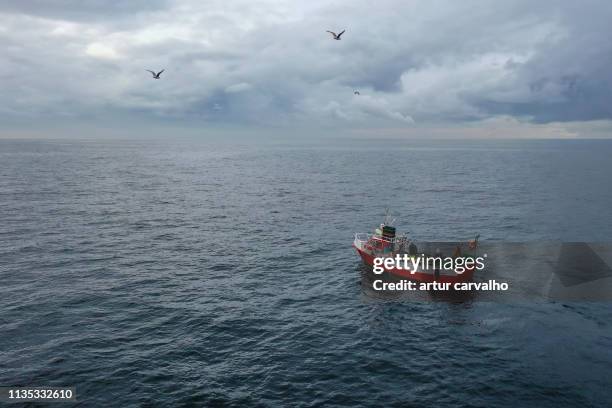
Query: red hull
[{"x": 467, "y": 276}]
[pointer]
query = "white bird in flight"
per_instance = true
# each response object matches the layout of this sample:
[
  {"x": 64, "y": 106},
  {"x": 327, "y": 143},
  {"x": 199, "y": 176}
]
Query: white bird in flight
[
  {"x": 155, "y": 76},
  {"x": 336, "y": 36}
]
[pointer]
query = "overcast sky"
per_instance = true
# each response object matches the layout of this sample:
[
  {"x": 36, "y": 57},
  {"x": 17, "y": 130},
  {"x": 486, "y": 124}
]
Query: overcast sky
[{"x": 439, "y": 68}]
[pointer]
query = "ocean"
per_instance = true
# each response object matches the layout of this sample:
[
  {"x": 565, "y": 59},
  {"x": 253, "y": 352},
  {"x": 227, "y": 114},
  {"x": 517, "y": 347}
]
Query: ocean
[{"x": 200, "y": 273}]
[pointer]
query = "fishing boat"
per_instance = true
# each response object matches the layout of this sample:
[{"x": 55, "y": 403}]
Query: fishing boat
[{"x": 384, "y": 243}]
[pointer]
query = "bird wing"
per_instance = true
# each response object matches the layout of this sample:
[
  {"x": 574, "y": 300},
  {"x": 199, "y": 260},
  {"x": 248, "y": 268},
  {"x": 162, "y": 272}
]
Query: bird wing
[
  {"x": 341, "y": 33},
  {"x": 159, "y": 73},
  {"x": 332, "y": 33},
  {"x": 152, "y": 73}
]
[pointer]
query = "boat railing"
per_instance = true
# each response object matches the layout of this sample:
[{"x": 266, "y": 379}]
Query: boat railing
[{"x": 363, "y": 237}]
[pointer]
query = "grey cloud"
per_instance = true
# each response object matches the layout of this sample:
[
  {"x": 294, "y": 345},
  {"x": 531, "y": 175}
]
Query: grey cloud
[
  {"x": 271, "y": 62},
  {"x": 83, "y": 10}
]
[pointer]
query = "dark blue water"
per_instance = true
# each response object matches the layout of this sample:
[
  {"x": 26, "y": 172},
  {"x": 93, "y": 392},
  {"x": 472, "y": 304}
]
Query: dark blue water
[{"x": 197, "y": 273}]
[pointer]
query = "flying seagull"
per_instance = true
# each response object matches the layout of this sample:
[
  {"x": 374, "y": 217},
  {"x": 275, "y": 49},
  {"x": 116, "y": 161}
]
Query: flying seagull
[
  {"x": 356, "y": 92},
  {"x": 336, "y": 36},
  {"x": 155, "y": 76}
]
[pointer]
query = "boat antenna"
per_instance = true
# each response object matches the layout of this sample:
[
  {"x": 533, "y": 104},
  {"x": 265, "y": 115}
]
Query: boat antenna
[{"x": 388, "y": 221}]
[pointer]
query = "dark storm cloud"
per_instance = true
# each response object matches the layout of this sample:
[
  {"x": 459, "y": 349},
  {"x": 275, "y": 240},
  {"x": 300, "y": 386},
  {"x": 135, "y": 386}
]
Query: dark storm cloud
[{"x": 569, "y": 78}]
